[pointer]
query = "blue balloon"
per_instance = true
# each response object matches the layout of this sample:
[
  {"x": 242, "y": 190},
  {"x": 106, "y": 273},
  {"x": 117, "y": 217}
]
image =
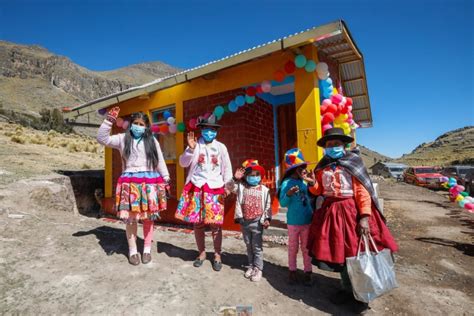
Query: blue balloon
[
  {"x": 218, "y": 111},
  {"x": 166, "y": 114},
  {"x": 249, "y": 99},
  {"x": 240, "y": 100},
  {"x": 310, "y": 66},
  {"x": 233, "y": 106},
  {"x": 300, "y": 61}
]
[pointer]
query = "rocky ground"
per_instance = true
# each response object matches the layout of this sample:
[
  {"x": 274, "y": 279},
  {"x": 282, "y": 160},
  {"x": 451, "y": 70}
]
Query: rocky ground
[{"x": 54, "y": 261}]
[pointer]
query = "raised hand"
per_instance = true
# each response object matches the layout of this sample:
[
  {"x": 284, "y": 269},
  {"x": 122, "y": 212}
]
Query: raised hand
[
  {"x": 239, "y": 173},
  {"x": 191, "y": 140},
  {"x": 113, "y": 114},
  {"x": 310, "y": 177}
]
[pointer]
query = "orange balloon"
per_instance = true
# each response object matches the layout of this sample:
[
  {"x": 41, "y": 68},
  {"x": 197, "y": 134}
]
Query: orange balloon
[
  {"x": 279, "y": 75},
  {"x": 164, "y": 128}
]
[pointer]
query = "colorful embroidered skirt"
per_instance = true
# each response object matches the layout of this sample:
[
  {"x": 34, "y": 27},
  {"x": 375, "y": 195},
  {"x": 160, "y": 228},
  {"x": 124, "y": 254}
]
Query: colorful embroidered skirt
[
  {"x": 197, "y": 205},
  {"x": 140, "y": 195}
]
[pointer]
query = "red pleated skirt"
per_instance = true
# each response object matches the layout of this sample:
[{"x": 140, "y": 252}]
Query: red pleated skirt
[{"x": 333, "y": 236}]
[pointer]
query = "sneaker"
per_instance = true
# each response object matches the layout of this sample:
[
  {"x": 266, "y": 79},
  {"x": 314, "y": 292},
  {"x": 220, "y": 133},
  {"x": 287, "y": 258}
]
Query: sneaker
[
  {"x": 257, "y": 275},
  {"x": 146, "y": 258},
  {"x": 292, "y": 279},
  {"x": 307, "y": 279},
  {"x": 248, "y": 274}
]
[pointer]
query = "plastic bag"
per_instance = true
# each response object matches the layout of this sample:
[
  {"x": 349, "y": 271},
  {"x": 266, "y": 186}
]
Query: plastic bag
[{"x": 371, "y": 273}]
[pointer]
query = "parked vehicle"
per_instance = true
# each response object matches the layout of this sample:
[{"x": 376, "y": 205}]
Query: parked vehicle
[
  {"x": 389, "y": 169},
  {"x": 457, "y": 172},
  {"x": 469, "y": 182},
  {"x": 423, "y": 176}
]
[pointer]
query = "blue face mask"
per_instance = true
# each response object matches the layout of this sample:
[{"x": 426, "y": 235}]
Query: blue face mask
[
  {"x": 253, "y": 180},
  {"x": 208, "y": 134},
  {"x": 334, "y": 152},
  {"x": 137, "y": 131}
]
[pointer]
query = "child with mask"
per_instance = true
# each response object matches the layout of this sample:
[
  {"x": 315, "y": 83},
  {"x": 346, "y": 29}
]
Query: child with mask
[
  {"x": 253, "y": 212},
  {"x": 293, "y": 194},
  {"x": 141, "y": 189},
  {"x": 202, "y": 200},
  {"x": 350, "y": 209}
]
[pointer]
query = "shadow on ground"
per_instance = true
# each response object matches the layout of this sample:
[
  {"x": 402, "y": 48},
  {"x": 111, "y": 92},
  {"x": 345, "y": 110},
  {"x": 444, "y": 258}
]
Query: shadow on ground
[{"x": 467, "y": 249}]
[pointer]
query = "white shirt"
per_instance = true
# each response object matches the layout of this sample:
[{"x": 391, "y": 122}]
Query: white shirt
[{"x": 208, "y": 168}]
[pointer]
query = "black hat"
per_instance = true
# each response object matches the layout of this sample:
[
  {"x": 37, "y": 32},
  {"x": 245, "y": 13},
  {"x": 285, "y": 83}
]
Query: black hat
[
  {"x": 332, "y": 134},
  {"x": 209, "y": 122}
]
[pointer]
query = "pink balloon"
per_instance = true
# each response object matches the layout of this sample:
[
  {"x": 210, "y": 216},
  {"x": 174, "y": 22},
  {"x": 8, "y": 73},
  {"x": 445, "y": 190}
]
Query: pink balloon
[
  {"x": 469, "y": 206},
  {"x": 125, "y": 124},
  {"x": 119, "y": 122},
  {"x": 266, "y": 86},
  {"x": 155, "y": 129},
  {"x": 349, "y": 109},
  {"x": 326, "y": 102},
  {"x": 206, "y": 116},
  {"x": 349, "y": 116},
  {"x": 336, "y": 99},
  {"x": 173, "y": 128},
  {"x": 459, "y": 188},
  {"x": 326, "y": 127}
]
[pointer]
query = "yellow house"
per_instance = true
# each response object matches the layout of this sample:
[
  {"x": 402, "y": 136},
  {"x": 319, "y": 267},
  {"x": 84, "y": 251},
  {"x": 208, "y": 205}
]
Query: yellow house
[{"x": 281, "y": 109}]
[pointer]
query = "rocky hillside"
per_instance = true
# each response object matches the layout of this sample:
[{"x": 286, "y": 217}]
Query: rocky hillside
[
  {"x": 32, "y": 78},
  {"x": 454, "y": 147}
]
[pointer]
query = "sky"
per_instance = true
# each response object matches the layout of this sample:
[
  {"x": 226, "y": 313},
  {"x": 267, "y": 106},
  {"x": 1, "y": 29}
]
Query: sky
[{"x": 418, "y": 54}]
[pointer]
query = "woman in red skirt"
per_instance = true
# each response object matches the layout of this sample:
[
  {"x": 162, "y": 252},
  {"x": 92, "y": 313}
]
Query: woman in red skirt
[{"x": 350, "y": 209}]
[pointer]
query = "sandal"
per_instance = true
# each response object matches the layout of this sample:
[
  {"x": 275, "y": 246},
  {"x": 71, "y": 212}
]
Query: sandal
[
  {"x": 217, "y": 265},
  {"x": 198, "y": 262},
  {"x": 134, "y": 259}
]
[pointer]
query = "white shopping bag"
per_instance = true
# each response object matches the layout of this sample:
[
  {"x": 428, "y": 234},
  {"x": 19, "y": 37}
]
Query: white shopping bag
[{"x": 372, "y": 273}]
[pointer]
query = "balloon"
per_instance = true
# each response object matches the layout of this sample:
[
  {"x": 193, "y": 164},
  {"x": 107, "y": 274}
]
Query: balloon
[
  {"x": 249, "y": 99},
  {"x": 327, "y": 118},
  {"x": 155, "y": 129},
  {"x": 444, "y": 179},
  {"x": 102, "y": 111},
  {"x": 192, "y": 123},
  {"x": 459, "y": 198},
  {"x": 164, "y": 128},
  {"x": 345, "y": 126},
  {"x": 206, "y": 116},
  {"x": 350, "y": 117},
  {"x": 125, "y": 124},
  {"x": 323, "y": 75},
  {"x": 310, "y": 66},
  {"x": 336, "y": 99},
  {"x": 166, "y": 114},
  {"x": 332, "y": 109},
  {"x": 348, "y": 101},
  {"x": 171, "y": 120},
  {"x": 181, "y": 127},
  {"x": 326, "y": 127},
  {"x": 259, "y": 89},
  {"x": 300, "y": 61},
  {"x": 119, "y": 122},
  {"x": 240, "y": 100},
  {"x": 340, "y": 119},
  {"x": 469, "y": 206},
  {"x": 322, "y": 67},
  {"x": 218, "y": 111},
  {"x": 172, "y": 128},
  {"x": 464, "y": 194},
  {"x": 326, "y": 102},
  {"x": 290, "y": 67},
  {"x": 459, "y": 188},
  {"x": 323, "y": 109},
  {"x": 347, "y": 130},
  {"x": 251, "y": 91},
  {"x": 279, "y": 75},
  {"x": 266, "y": 86},
  {"x": 233, "y": 106},
  {"x": 462, "y": 203}
]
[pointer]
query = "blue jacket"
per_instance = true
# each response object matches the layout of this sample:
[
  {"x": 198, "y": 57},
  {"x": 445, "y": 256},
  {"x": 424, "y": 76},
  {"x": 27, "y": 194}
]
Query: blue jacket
[{"x": 299, "y": 207}]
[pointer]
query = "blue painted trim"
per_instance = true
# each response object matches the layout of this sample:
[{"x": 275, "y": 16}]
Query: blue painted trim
[{"x": 276, "y": 146}]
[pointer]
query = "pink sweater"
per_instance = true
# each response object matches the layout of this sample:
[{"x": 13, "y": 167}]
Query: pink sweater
[{"x": 137, "y": 160}]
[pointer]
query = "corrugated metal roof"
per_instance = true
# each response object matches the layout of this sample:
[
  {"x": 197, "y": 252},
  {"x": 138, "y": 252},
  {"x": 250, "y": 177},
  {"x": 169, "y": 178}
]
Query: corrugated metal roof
[{"x": 333, "y": 40}]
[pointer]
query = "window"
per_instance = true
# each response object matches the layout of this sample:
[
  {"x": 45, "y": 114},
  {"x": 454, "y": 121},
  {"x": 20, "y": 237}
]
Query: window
[{"x": 167, "y": 141}]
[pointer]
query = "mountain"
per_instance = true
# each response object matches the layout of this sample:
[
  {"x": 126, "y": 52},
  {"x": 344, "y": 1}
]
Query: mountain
[
  {"x": 32, "y": 78},
  {"x": 370, "y": 157},
  {"x": 454, "y": 147}
]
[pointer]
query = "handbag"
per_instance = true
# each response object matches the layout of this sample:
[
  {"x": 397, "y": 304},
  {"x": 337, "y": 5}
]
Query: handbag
[{"x": 372, "y": 274}]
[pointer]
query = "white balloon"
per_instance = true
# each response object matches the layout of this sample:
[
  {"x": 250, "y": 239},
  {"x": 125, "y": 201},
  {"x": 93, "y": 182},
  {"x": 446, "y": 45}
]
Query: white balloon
[
  {"x": 171, "y": 120},
  {"x": 322, "y": 67},
  {"x": 323, "y": 75}
]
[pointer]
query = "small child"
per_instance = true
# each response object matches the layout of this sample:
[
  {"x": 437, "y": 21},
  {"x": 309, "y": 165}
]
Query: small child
[
  {"x": 293, "y": 194},
  {"x": 253, "y": 212}
]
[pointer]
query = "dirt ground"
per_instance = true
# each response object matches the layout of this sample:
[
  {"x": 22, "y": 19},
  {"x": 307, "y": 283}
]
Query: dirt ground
[{"x": 55, "y": 262}]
